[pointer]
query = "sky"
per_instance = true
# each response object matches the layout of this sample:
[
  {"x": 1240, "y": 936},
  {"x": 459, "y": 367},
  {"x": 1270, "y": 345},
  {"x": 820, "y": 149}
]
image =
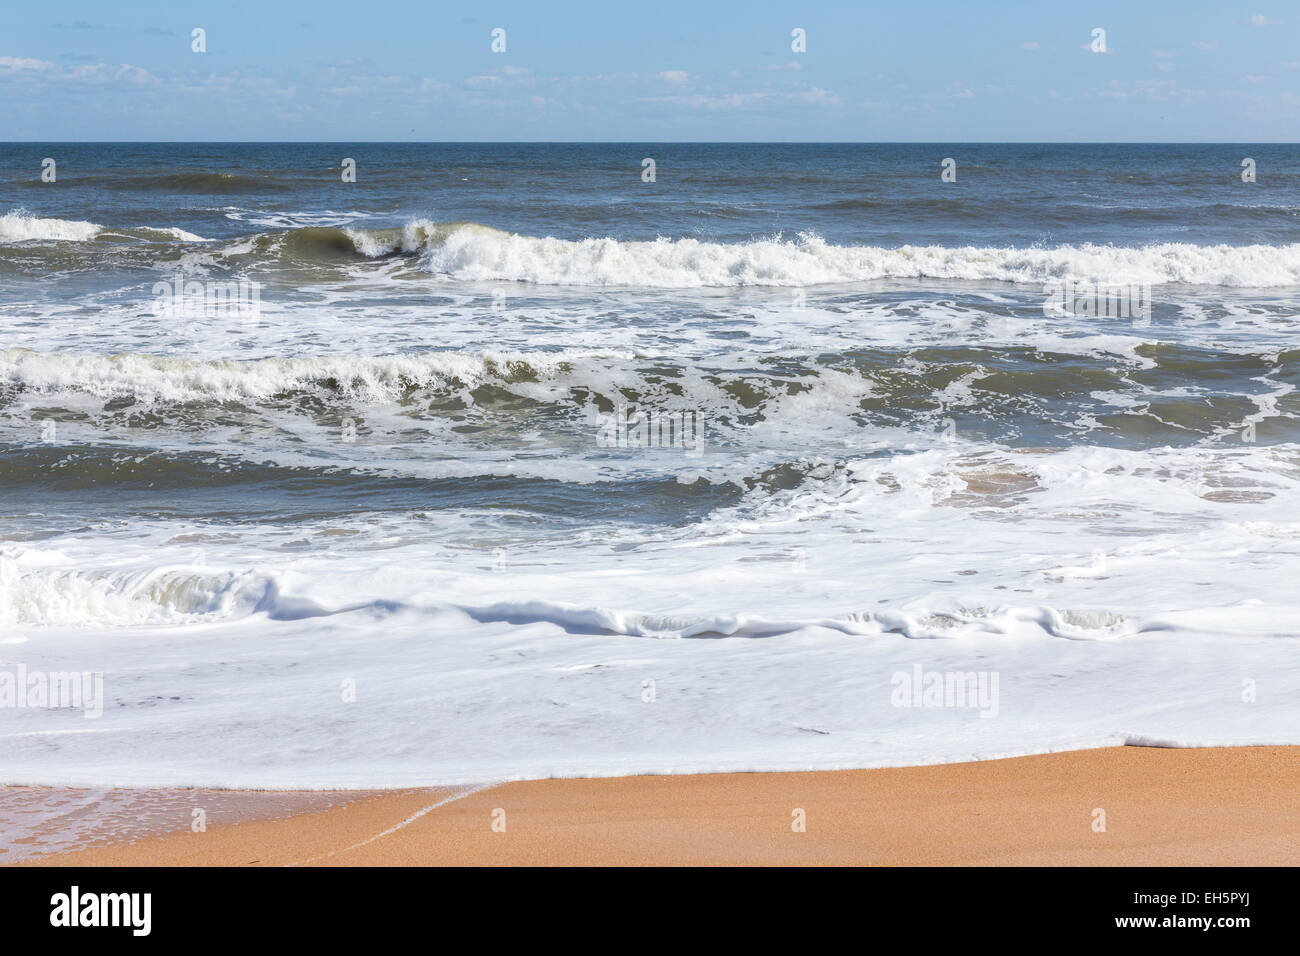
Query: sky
[{"x": 659, "y": 71}]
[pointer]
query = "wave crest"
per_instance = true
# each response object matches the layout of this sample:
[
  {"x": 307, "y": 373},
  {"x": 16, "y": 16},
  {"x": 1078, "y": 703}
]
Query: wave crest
[
  {"x": 22, "y": 226},
  {"x": 474, "y": 252},
  {"x": 377, "y": 378}
]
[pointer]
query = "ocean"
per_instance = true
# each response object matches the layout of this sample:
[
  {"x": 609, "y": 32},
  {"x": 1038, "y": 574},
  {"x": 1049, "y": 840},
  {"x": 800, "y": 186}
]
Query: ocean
[{"x": 523, "y": 460}]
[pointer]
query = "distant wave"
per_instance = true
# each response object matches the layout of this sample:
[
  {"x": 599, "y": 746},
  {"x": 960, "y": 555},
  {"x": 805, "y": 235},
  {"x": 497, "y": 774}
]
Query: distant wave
[
  {"x": 21, "y": 226},
  {"x": 208, "y": 183}
]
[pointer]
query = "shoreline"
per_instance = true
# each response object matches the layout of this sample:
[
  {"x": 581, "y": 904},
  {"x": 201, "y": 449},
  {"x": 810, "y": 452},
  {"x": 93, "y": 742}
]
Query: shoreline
[{"x": 1203, "y": 806}]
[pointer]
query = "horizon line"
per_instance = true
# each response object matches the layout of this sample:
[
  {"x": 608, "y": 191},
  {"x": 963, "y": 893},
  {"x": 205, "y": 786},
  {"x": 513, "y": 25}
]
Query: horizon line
[{"x": 634, "y": 142}]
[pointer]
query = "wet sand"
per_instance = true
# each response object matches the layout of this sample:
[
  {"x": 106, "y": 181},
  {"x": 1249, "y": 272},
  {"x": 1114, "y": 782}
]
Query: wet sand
[{"x": 1210, "y": 806}]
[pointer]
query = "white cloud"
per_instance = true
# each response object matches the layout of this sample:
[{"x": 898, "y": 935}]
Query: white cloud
[
  {"x": 509, "y": 77},
  {"x": 674, "y": 77},
  {"x": 606, "y": 79},
  {"x": 816, "y": 95},
  {"x": 103, "y": 73},
  {"x": 739, "y": 101},
  {"x": 14, "y": 64},
  {"x": 1259, "y": 20},
  {"x": 86, "y": 73},
  {"x": 1029, "y": 45},
  {"x": 1148, "y": 90}
]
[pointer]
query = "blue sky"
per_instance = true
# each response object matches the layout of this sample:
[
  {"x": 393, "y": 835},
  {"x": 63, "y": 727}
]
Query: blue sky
[{"x": 657, "y": 71}]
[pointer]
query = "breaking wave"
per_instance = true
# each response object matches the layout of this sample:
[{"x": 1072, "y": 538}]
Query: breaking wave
[
  {"x": 21, "y": 226},
  {"x": 471, "y": 251},
  {"x": 474, "y": 252},
  {"x": 378, "y": 378}
]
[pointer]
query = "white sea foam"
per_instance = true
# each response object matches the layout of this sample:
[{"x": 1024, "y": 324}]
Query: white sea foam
[
  {"x": 22, "y": 226},
  {"x": 167, "y": 232},
  {"x": 292, "y": 220},
  {"x": 479, "y": 253},
  {"x": 157, "y": 596},
  {"x": 1117, "y": 594},
  {"x": 367, "y": 378},
  {"x": 454, "y": 681}
]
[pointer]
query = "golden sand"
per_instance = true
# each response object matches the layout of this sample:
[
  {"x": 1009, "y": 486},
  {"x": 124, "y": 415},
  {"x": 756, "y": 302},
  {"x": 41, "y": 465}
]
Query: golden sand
[{"x": 1161, "y": 807}]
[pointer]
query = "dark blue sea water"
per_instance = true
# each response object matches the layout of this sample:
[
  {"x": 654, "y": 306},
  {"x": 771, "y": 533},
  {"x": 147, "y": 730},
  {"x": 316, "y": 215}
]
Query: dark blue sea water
[{"x": 888, "y": 195}]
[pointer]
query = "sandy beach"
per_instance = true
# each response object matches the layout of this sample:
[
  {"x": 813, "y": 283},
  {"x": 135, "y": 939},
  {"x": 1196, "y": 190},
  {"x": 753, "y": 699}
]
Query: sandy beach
[{"x": 1210, "y": 806}]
